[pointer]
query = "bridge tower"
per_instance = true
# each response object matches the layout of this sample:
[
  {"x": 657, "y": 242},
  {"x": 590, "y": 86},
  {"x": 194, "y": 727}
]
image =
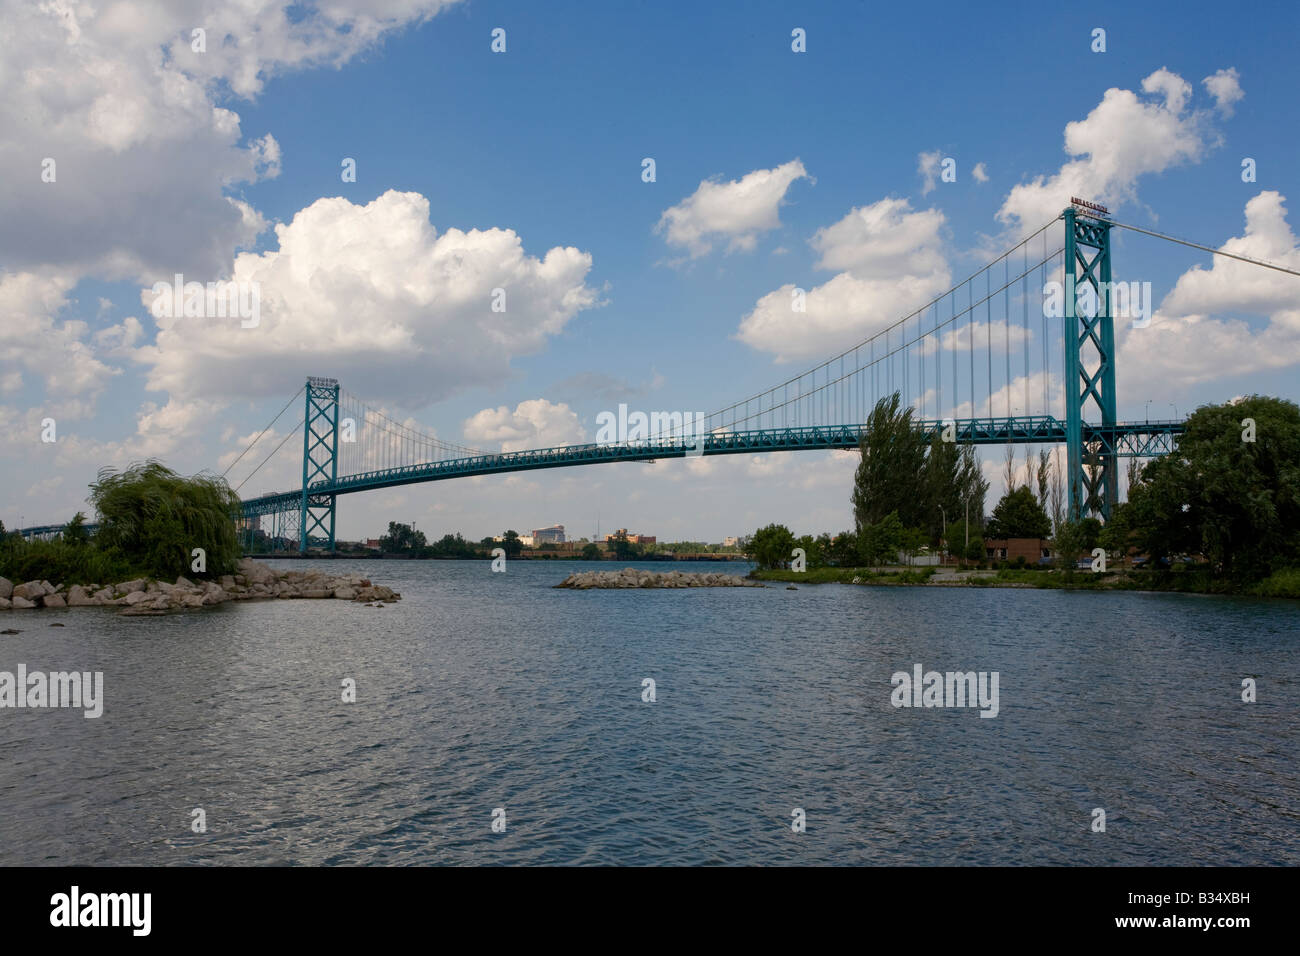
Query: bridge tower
[
  {"x": 1089, "y": 360},
  {"x": 320, "y": 446}
]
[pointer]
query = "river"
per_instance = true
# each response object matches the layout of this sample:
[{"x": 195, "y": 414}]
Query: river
[{"x": 482, "y": 692}]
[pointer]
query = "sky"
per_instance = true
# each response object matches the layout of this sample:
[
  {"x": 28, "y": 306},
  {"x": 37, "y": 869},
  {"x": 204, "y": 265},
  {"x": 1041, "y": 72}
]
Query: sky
[{"x": 133, "y": 149}]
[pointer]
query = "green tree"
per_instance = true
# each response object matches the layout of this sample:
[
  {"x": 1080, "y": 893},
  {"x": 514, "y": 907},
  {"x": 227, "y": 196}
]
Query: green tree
[
  {"x": 771, "y": 547},
  {"x": 880, "y": 543},
  {"x": 1236, "y": 501},
  {"x": 74, "y": 532},
  {"x": 891, "y": 474},
  {"x": 590, "y": 552},
  {"x": 155, "y": 518},
  {"x": 402, "y": 538},
  {"x": 1018, "y": 515},
  {"x": 1069, "y": 542},
  {"x": 1117, "y": 533},
  {"x": 511, "y": 543}
]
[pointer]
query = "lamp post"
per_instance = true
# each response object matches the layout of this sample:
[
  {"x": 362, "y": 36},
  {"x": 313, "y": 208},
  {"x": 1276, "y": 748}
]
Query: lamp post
[{"x": 945, "y": 529}]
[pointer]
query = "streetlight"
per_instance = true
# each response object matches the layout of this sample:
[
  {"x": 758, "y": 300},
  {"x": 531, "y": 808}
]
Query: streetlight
[
  {"x": 945, "y": 528},
  {"x": 1148, "y": 412}
]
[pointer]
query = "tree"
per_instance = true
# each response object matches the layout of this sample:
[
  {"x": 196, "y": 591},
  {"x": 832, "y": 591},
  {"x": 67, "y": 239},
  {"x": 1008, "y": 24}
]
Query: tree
[
  {"x": 1056, "y": 493},
  {"x": 590, "y": 552},
  {"x": 511, "y": 543},
  {"x": 74, "y": 532},
  {"x": 844, "y": 549},
  {"x": 624, "y": 550},
  {"x": 1115, "y": 535},
  {"x": 1018, "y": 515},
  {"x": 1234, "y": 500},
  {"x": 402, "y": 538},
  {"x": 155, "y": 519},
  {"x": 890, "y": 476},
  {"x": 880, "y": 543},
  {"x": 772, "y": 547},
  {"x": 1069, "y": 544}
]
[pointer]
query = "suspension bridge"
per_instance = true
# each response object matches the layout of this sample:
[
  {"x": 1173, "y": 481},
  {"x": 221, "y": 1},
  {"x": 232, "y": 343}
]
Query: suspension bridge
[{"x": 985, "y": 363}]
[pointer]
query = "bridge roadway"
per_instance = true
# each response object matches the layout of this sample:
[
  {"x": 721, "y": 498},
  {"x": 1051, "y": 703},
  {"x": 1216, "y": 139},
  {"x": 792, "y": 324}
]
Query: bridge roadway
[{"x": 1124, "y": 440}]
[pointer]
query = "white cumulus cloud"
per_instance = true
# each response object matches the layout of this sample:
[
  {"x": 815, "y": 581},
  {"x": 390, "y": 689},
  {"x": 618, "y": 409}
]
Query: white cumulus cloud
[{"x": 737, "y": 212}]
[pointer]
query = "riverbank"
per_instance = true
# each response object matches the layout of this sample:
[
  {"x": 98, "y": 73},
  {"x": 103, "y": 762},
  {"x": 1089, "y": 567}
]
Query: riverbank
[
  {"x": 637, "y": 578},
  {"x": 1284, "y": 583},
  {"x": 141, "y": 596}
]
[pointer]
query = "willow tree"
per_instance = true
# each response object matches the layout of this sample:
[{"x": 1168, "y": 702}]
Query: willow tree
[{"x": 155, "y": 519}]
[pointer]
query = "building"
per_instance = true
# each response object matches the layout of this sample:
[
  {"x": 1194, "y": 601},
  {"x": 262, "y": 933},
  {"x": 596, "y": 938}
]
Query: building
[
  {"x": 551, "y": 535},
  {"x": 1032, "y": 550},
  {"x": 731, "y": 541},
  {"x": 631, "y": 538}
]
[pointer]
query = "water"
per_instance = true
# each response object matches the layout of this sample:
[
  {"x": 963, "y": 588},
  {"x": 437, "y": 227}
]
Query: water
[{"x": 481, "y": 691}]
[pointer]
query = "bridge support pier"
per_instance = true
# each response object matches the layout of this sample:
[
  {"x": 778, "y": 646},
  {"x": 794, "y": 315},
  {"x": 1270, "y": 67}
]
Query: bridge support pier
[
  {"x": 1092, "y": 474},
  {"x": 320, "y": 446}
]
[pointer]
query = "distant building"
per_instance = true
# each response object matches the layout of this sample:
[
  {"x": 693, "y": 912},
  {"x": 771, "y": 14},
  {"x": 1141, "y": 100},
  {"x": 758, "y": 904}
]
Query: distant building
[
  {"x": 372, "y": 544},
  {"x": 631, "y": 538},
  {"x": 551, "y": 535},
  {"x": 731, "y": 541},
  {"x": 1009, "y": 549}
]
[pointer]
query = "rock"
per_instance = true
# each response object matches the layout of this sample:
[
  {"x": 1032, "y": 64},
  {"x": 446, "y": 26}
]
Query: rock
[
  {"x": 183, "y": 582},
  {"x": 22, "y": 604},
  {"x": 29, "y": 590},
  {"x": 5, "y": 604},
  {"x": 77, "y": 597},
  {"x": 214, "y": 596},
  {"x": 56, "y": 624},
  {"x": 10, "y": 630},
  {"x": 345, "y": 593},
  {"x": 228, "y": 581},
  {"x": 791, "y": 587},
  {"x": 130, "y": 587},
  {"x": 54, "y": 600},
  {"x": 6, "y": 588},
  {"x": 137, "y": 597},
  {"x": 631, "y": 578}
]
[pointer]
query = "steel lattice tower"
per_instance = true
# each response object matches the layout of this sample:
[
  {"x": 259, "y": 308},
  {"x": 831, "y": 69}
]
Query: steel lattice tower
[
  {"x": 1089, "y": 362},
  {"x": 320, "y": 445}
]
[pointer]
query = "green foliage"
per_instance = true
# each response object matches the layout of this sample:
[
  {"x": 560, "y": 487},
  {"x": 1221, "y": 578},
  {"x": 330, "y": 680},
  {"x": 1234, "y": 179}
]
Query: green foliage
[
  {"x": 452, "y": 546},
  {"x": 1237, "y": 502},
  {"x": 924, "y": 482},
  {"x": 1282, "y": 583},
  {"x": 771, "y": 547},
  {"x": 624, "y": 550},
  {"x": 590, "y": 552},
  {"x": 879, "y": 543},
  {"x": 154, "y": 518},
  {"x": 1071, "y": 539},
  {"x": 61, "y": 562},
  {"x": 401, "y": 538},
  {"x": 1019, "y": 515},
  {"x": 74, "y": 532},
  {"x": 511, "y": 544}
]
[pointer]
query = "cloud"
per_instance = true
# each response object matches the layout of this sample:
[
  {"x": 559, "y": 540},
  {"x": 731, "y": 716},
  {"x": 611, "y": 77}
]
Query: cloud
[
  {"x": 145, "y": 148},
  {"x": 927, "y": 167},
  {"x": 1186, "y": 345},
  {"x": 33, "y": 339},
  {"x": 979, "y": 174},
  {"x": 738, "y": 211},
  {"x": 1225, "y": 87},
  {"x": 375, "y": 290},
  {"x": 535, "y": 423},
  {"x": 1121, "y": 140},
  {"x": 889, "y": 260},
  {"x": 607, "y": 388}
]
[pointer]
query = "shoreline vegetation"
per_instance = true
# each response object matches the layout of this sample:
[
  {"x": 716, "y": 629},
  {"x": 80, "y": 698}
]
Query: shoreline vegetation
[{"x": 1282, "y": 584}]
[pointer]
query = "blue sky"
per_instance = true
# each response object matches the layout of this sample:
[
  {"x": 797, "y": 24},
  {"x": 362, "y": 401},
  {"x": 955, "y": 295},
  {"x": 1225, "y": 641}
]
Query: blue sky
[{"x": 546, "y": 141}]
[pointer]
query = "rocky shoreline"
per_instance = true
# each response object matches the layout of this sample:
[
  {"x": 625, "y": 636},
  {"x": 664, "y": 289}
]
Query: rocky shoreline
[
  {"x": 634, "y": 578},
  {"x": 252, "y": 581}
]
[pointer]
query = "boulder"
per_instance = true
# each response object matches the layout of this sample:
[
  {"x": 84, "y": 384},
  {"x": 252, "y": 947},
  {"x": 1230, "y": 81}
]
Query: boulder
[
  {"x": 77, "y": 597},
  {"x": 345, "y": 593},
  {"x": 4, "y": 604},
  {"x": 6, "y": 588},
  {"x": 183, "y": 582},
  {"x": 130, "y": 587},
  {"x": 29, "y": 590},
  {"x": 137, "y": 597},
  {"x": 53, "y": 600},
  {"x": 21, "y": 603}
]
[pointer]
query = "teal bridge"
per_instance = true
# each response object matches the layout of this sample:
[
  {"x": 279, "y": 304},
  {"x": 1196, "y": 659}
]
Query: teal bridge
[
  {"x": 987, "y": 346},
  {"x": 988, "y": 362}
]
